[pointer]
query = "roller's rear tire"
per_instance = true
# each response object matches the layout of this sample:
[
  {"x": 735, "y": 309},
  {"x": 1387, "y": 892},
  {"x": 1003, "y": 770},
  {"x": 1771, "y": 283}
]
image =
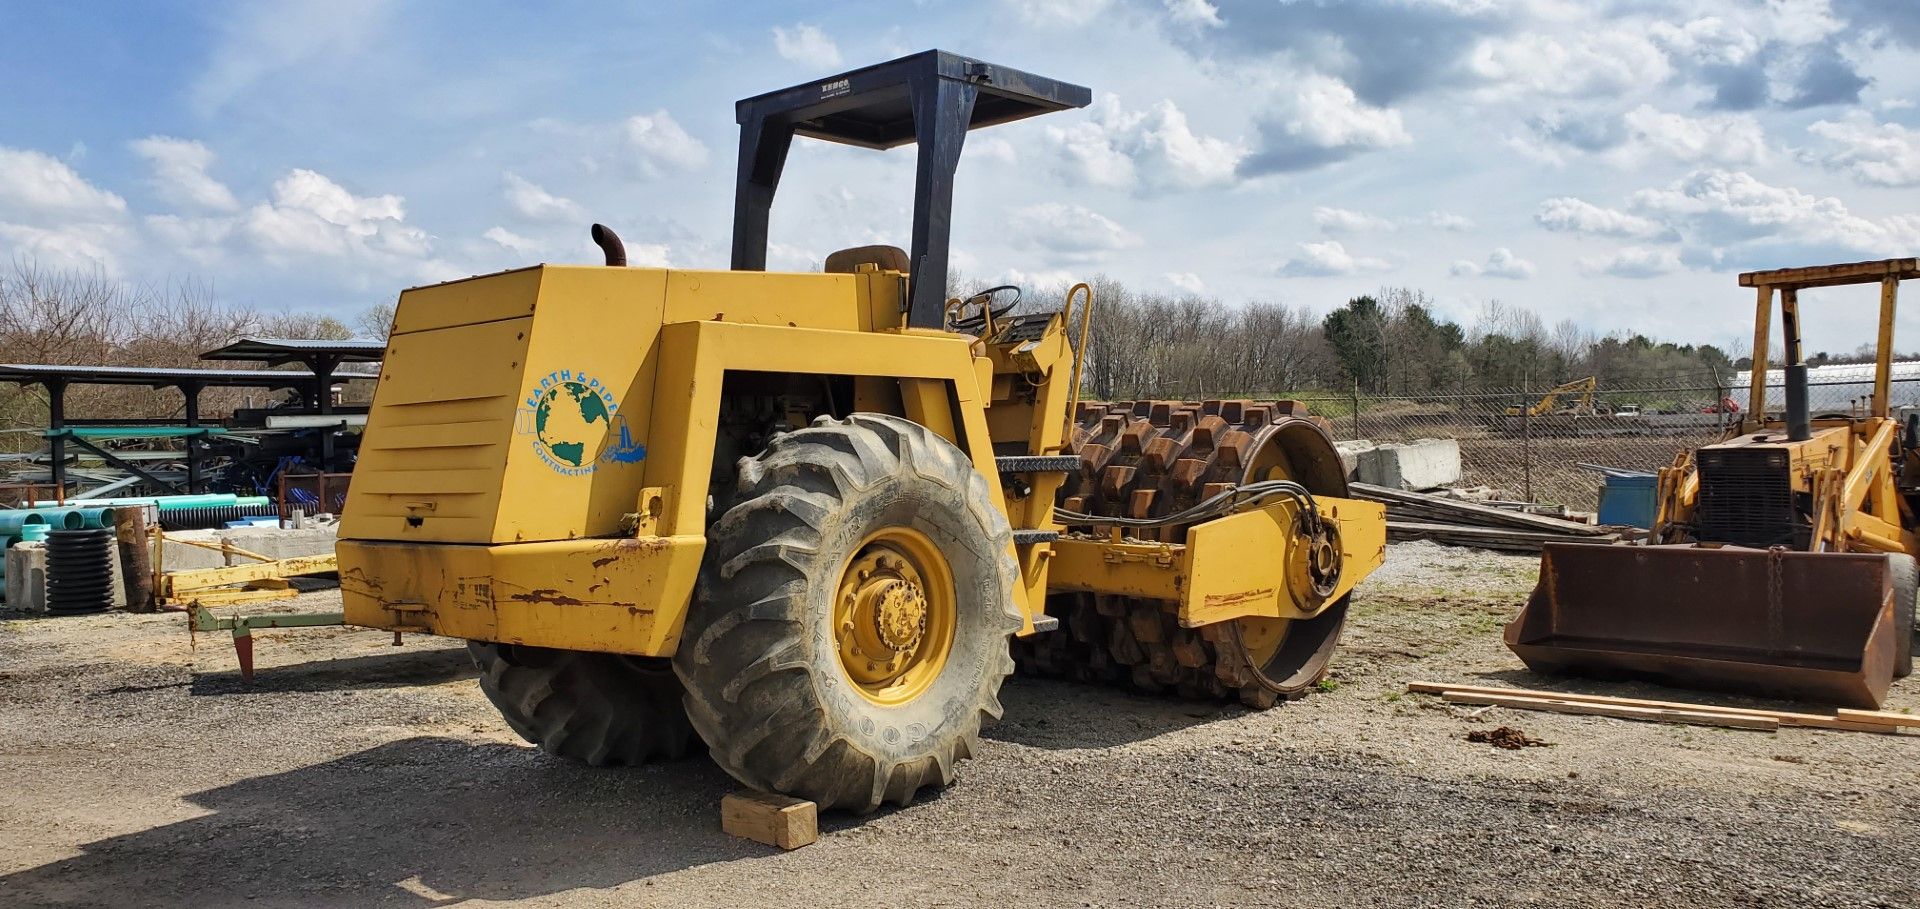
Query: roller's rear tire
[
  {"x": 602, "y": 709},
  {"x": 851, "y": 629}
]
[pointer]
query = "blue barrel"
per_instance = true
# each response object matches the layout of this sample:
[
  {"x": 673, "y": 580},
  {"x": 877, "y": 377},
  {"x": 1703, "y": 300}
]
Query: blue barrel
[{"x": 1628, "y": 498}]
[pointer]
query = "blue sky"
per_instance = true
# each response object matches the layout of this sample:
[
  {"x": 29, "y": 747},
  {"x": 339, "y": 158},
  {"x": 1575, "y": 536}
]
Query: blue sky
[{"x": 1613, "y": 162}]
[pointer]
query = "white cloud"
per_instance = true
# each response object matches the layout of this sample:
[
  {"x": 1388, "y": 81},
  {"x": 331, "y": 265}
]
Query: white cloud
[
  {"x": 1322, "y": 121},
  {"x": 1045, "y": 278},
  {"x": 1582, "y": 64},
  {"x": 663, "y": 145},
  {"x": 1448, "y": 221},
  {"x": 51, "y": 214},
  {"x": 1878, "y": 154},
  {"x": 1071, "y": 231},
  {"x": 1634, "y": 262},
  {"x": 1718, "y": 138},
  {"x": 180, "y": 173},
  {"x": 1057, "y": 13},
  {"x": 992, "y": 148},
  {"x": 309, "y": 216},
  {"x": 1579, "y": 216},
  {"x": 83, "y": 247},
  {"x": 1329, "y": 258},
  {"x": 1194, "y": 12},
  {"x": 513, "y": 242},
  {"x": 806, "y": 45},
  {"x": 1345, "y": 221},
  {"x": 1501, "y": 263},
  {"x": 1733, "y": 209},
  {"x": 531, "y": 201},
  {"x": 203, "y": 240},
  {"x": 34, "y": 184},
  {"x": 648, "y": 255},
  {"x": 1187, "y": 281},
  {"x": 1152, "y": 150},
  {"x": 1709, "y": 39}
]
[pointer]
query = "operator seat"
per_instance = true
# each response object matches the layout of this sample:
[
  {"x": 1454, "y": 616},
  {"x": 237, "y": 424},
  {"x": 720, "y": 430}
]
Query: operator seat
[{"x": 889, "y": 258}]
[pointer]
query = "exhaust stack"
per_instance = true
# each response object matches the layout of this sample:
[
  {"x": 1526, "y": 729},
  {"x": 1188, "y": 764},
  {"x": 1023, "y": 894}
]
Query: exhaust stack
[{"x": 610, "y": 245}]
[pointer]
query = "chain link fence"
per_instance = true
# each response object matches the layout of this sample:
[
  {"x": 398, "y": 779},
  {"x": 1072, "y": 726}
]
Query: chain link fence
[{"x": 1527, "y": 447}]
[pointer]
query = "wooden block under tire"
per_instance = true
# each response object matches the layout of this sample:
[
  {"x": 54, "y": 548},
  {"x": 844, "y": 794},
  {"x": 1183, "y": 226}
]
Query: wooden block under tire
[{"x": 776, "y": 820}]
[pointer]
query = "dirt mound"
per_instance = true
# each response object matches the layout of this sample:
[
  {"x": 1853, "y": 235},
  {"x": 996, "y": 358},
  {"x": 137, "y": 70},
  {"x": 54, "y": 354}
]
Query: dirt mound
[{"x": 1505, "y": 737}]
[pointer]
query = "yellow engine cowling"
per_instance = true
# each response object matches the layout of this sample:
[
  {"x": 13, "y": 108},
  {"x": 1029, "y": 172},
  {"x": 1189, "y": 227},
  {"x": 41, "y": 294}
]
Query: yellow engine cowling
[{"x": 503, "y": 492}]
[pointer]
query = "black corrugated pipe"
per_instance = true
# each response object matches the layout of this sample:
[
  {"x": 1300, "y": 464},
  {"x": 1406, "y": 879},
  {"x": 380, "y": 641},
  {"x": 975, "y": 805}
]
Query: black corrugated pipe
[
  {"x": 1799, "y": 428},
  {"x": 610, "y": 244}
]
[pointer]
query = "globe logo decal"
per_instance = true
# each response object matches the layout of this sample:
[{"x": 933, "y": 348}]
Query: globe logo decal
[
  {"x": 570, "y": 424},
  {"x": 575, "y": 425}
]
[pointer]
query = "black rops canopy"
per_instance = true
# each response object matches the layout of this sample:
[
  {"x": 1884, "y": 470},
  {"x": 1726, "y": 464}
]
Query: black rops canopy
[{"x": 931, "y": 98}]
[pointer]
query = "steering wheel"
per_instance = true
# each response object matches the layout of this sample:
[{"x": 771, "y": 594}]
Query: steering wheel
[{"x": 984, "y": 301}]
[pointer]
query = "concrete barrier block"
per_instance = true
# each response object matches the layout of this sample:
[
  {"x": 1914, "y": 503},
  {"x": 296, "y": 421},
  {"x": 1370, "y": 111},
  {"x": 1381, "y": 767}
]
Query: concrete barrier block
[
  {"x": 27, "y": 577},
  {"x": 1350, "y": 451},
  {"x": 267, "y": 541},
  {"x": 1423, "y": 464}
]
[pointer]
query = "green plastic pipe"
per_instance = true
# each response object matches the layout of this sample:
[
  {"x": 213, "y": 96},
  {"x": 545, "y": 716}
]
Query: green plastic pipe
[
  {"x": 166, "y": 503},
  {"x": 90, "y": 518},
  {"x": 12, "y": 520}
]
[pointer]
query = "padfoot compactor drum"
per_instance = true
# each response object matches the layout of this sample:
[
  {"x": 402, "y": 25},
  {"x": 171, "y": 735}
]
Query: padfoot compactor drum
[{"x": 803, "y": 518}]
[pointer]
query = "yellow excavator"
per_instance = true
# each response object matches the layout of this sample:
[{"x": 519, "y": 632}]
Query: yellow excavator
[
  {"x": 1782, "y": 559},
  {"x": 804, "y": 518},
  {"x": 1549, "y": 403}
]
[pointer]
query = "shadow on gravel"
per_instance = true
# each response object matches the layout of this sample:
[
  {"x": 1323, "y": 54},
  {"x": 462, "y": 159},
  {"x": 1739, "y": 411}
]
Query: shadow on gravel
[
  {"x": 1058, "y": 714},
  {"x": 400, "y": 668},
  {"x": 419, "y": 822}
]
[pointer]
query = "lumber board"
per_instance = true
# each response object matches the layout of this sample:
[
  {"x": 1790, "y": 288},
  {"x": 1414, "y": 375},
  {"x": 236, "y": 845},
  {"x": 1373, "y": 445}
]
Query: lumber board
[
  {"x": 1492, "y": 533},
  {"x": 1783, "y": 717},
  {"x": 1880, "y": 717},
  {"x": 1460, "y": 509},
  {"x": 1650, "y": 714},
  {"x": 776, "y": 820},
  {"x": 1486, "y": 537}
]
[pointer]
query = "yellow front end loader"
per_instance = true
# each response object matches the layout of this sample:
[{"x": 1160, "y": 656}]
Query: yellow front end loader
[
  {"x": 805, "y": 517},
  {"x": 1783, "y": 557}
]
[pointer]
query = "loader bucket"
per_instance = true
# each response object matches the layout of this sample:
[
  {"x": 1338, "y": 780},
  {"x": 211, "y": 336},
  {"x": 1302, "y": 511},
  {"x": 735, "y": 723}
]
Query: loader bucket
[{"x": 1805, "y": 626}]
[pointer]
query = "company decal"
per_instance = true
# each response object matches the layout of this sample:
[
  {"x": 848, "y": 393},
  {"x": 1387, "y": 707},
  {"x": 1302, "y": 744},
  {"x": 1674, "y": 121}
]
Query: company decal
[{"x": 574, "y": 424}]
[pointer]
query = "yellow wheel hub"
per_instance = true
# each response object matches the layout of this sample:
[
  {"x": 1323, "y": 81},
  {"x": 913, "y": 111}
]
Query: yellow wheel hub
[{"x": 894, "y": 615}]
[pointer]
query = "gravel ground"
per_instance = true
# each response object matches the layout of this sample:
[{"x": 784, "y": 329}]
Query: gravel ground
[{"x": 140, "y": 771}]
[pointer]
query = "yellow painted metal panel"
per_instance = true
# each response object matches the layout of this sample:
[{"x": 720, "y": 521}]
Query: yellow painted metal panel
[
  {"x": 590, "y": 363},
  {"x": 1239, "y": 565},
  {"x": 608, "y": 595},
  {"x": 1154, "y": 571},
  {"x": 425, "y": 454},
  {"x": 490, "y": 425},
  {"x": 764, "y": 298},
  {"x": 1229, "y": 567},
  {"x": 506, "y": 295}
]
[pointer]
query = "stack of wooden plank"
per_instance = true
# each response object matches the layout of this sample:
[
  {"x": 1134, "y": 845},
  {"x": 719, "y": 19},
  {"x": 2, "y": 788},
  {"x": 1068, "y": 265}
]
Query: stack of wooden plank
[
  {"x": 1667, "y": 711},
  {"x": 1459, "y": 522}
]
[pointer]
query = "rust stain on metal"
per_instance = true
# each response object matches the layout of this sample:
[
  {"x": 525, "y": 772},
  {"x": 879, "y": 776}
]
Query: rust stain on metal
[
  {"x": 1230, "y": 599},
  {"x": 549, "y": 595},
  {"x": 618, "y": 549},
  {"x": 553, "y": 597}
]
